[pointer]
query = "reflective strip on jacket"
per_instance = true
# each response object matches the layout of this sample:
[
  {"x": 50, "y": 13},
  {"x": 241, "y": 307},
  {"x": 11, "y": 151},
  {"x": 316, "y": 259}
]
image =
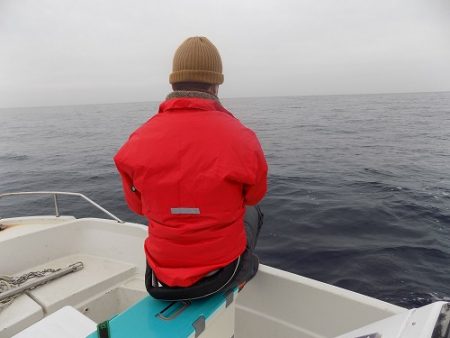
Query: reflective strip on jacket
[{"x": 191, "y": 169}]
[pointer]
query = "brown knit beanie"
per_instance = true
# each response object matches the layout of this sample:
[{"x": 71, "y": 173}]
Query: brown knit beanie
[{"x": 197, "y": 60}]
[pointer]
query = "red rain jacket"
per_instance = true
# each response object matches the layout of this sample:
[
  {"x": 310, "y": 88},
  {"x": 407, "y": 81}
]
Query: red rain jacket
[{"x": 191, "y": 169}]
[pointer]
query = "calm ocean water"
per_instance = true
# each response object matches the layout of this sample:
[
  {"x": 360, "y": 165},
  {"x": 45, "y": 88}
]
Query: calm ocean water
[{"x": 359, "y": 186}]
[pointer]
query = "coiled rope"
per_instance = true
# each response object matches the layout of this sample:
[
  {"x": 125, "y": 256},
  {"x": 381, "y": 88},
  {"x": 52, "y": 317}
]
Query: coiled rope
[{"x": 32, "y": 279}]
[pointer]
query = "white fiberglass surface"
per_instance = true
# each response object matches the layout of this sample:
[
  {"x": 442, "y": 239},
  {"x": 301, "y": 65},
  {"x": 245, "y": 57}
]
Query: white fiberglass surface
[
  {"x": 274, "y": 304},
  {"x": 280, "y": 304}
]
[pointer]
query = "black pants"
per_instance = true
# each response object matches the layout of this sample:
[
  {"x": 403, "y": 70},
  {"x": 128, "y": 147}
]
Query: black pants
[{"x": 248, "y": 266}]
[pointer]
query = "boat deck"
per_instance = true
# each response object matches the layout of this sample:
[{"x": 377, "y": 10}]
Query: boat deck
[
  {"x": 110, "y": 281},
  {"x": 274, "y": 304}
]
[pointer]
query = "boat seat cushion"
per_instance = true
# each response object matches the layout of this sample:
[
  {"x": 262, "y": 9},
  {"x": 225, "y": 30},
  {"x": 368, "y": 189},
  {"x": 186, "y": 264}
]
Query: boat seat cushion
[{"x": 151, "y": 317}]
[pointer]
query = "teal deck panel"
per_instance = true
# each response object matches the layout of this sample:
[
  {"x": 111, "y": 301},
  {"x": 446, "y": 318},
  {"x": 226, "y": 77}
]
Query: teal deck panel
[{"x": 142, "y": 320}]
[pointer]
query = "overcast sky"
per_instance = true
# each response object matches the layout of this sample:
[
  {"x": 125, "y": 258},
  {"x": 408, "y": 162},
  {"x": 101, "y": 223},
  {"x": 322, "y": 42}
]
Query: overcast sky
[{"x": 56, "y": 52}]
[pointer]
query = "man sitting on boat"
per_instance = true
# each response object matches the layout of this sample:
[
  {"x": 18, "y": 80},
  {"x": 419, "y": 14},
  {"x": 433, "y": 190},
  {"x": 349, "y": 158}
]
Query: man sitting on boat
[{"x": 195, "y": 171}]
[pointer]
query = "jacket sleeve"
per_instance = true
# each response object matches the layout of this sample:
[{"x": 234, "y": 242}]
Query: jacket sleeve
[
  {"x": 132, "y": 195},
  {"x": 254, "y": 193}
]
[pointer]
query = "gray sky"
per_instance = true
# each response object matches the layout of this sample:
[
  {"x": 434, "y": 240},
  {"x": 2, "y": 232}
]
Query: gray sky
[{"x": 98, "y": 51}]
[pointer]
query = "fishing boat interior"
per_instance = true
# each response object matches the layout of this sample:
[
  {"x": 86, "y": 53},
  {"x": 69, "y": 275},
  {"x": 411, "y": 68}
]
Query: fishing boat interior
[{"x": 61, "y": 276}]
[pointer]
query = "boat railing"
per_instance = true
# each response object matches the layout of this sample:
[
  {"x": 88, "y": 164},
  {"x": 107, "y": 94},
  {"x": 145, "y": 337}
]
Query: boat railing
[{"x": 55, "y": 195}]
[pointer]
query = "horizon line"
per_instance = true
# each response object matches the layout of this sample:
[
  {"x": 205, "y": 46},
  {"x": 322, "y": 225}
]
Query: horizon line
[{"x": 223, "y": 98}]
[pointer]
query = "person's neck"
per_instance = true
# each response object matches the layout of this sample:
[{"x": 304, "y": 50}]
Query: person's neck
[{"x": 193, "y": 94}]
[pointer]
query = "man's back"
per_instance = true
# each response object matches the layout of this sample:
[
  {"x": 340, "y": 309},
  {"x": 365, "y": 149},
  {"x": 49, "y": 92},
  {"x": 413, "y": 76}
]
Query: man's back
[
  {"x": 195, "y": 167},
  {"x": 193, "y": 170}
]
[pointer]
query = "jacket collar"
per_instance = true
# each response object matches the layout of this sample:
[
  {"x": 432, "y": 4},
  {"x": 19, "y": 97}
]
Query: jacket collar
[
  {"x": 191, "y": 103},
  {"x": 191, "y": 93}
]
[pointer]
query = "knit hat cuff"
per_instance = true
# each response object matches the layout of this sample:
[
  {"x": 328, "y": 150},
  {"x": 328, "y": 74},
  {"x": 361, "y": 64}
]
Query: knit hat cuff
[{"x": 193, "y": 75}]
